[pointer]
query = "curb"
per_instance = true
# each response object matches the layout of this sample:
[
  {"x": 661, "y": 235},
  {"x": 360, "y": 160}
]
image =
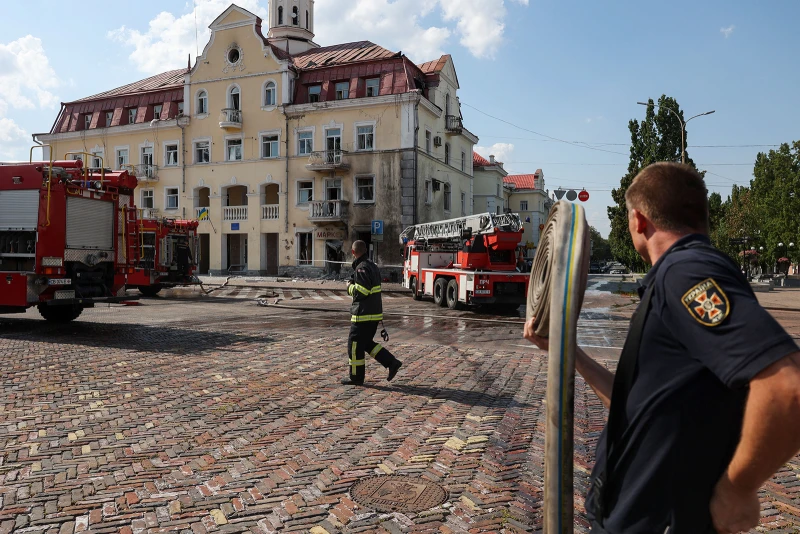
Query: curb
[{"x": 304, "y": 288}]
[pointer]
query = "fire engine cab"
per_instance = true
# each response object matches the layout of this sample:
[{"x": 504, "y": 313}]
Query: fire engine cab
[
  {"x": 67, "y": 237},
  {"x": 168, "y": 254},
  {"x": 468, "y": 260}
]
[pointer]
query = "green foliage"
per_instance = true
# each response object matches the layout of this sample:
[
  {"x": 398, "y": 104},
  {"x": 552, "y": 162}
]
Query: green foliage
[
  {"x": 656, "y": 138},
  {"x": 601, "y": 250}
]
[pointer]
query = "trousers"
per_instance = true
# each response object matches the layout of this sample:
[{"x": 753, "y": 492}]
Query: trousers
[{"x": 360, "y": 343}]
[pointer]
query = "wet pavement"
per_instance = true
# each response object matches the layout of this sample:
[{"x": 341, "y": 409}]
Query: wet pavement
[{"x": 195, "y": 412}]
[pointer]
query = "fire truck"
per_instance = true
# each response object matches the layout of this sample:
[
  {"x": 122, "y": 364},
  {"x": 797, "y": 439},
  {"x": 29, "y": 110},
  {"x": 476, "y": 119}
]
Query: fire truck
[
  {"x": 168, "y": 254},
  {"x": 67, "y": 237},
  {"x": 468, "y": 260}
]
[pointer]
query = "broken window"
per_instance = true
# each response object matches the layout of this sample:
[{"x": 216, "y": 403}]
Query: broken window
[
  {"x": 305, "y": 192},
  {"x": 305, "y": 143},
  {"x": 234, "y": 149},
  {"x": 109, "y": 118},
  {"x": 373, "y": 86},
  {"x": 202, "y": 152},
  {"x": 305, "y": 248},
  {"x": 342, "y": 90},
  {"x": 171, "y": 155},
  {"x": 365, "y": 137},
  {"x": 314, "y": 92},
  {"x": 365, "y": 189}
]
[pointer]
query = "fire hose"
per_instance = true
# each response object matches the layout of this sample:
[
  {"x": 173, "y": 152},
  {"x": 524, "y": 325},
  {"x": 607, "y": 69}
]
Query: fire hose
[{"x": 555, "y": 296}]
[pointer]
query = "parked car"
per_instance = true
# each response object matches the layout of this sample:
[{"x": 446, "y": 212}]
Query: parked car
[{"x": 594, "y": 268}]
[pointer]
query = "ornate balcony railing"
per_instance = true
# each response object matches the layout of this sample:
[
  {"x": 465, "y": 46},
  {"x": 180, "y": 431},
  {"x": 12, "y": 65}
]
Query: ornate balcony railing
[
  {"x": 327, "y": 210},
  {"x": 147, "y": 213},
  {"x": 270, "y": 212},
  {"x": 328, "y": 160},
  {"x": 453, "y": 124},
  {"x": 234, "y": 213},
  {"x": 230, "y": 118},
  {"x": 144, "y": 172}
]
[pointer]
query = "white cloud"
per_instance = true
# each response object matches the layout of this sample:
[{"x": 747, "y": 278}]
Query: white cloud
[
  {"x": 403, "y": 25},
  {"x": 26, "y": 76},
  {"x": 502, "y": 152},
  {"x": 10, "y": 131},
  {"x": 727, "y": 31},
  {"x": 169, "y": 39}
]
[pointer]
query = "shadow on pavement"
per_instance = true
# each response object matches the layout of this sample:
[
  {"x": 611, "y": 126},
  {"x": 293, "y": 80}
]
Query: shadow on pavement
[{"x": 470, "y": 398}]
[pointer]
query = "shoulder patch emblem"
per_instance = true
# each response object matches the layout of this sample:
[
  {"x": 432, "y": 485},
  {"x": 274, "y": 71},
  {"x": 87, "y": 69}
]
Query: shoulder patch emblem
[{"x": 707, "y": 303}]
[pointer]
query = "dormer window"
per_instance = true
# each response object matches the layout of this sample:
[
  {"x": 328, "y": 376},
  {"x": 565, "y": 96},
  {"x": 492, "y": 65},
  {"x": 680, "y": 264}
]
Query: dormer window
[
  {"x": 342, "y": 90},
  {"x": 373, "y": 86},
  {"x": 314, "y": 93},
  {"x": 87, "y": 121}
]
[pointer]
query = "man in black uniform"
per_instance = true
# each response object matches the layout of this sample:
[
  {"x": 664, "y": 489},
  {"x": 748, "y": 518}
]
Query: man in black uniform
[
  {"x": 184, "y": 254},
  {"x": 365, "y": 314},
  {"x": 710, "y": 411}
]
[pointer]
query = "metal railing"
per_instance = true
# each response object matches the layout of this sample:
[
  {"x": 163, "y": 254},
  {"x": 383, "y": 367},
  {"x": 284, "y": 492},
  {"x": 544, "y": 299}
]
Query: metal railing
[
  {"x": 328, "y": 158},
  {"x": 147, "y": 213},
  {"x": 231, "y": 115},
  {"x": 453, "y": 124},
  {"x": 327, "y": 209},
  {"x": 142, "y": 171},
  {"x": 234, "y": 213},
  {"x": 270, "y": 212}
]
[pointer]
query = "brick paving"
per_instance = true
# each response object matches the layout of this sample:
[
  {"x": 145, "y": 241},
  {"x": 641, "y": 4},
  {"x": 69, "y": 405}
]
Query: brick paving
[{"x": 216, "y": 415}]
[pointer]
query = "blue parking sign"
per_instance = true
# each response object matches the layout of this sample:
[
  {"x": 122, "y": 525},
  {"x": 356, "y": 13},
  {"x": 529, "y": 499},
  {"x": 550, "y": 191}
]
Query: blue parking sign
[{"x": 377, "y": 228}]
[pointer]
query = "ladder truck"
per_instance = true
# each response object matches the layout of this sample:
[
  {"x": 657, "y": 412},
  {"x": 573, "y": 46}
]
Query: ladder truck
[
  {"x": 67, "y": 236},
  {"x": 467, "y": 260},
  {"x": 163, "y": 261}
]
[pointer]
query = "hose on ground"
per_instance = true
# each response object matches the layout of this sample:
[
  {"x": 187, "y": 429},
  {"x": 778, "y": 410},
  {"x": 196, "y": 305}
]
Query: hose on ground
[{"x": 555, "y": 296}]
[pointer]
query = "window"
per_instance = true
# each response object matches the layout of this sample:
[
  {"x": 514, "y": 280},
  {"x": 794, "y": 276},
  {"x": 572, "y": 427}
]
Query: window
[
  {"x": 342, "y": 90},
  {"x": 447, "y": 104},
  {"x": 428, "y": 141},
  {"x": 446, "y": 197},
  {"x": 365, "y": 189},
  {"x": 180, "y": 108},
  {"x": 157, "y": 111},
  {"x": 333, "y": 189},
  {"x": 280, "y": 15},
  {"x": 109, "y": 118},
  {"x": 447, "y": 153},
  {"x": 428, "y": 192},
  {"x": 305, "y": 192},
  {"x": 97, "y": 160},
  {"x": 523, "y": 205},
  {"x": 122, "y": 157},
  {"x": 365, "y": 137},
  {"x": 463, "y": 161},
  {"x": 234, "y": 98},
  {"x": 373, "y": 86},
  {"x": 305, "y": 248},
  {"x": 147, "y": 199},
  {"x": 87, "y": 121},
  {"x": 146, "y": 157},
  {"x": 314, "y": 93},
  {"x": 234, "y": 54},
  {"x": 202, "y": 152},
  {"x": 305, "y": 143},
  {"x": 269, "y": 146},
  {"x": 463, "y": 203},
  {"x": 202, "y": 103},
  {"x": 295, "y": 16},
  {"x": 171, "y": 155},
  {"x": 132, "y": 116},
  {"x": 171, "y": 198},
  {"x": 234, "y": 149},
  {"x": 269, "y": 94},
  {"x": 306, "y": 19}
]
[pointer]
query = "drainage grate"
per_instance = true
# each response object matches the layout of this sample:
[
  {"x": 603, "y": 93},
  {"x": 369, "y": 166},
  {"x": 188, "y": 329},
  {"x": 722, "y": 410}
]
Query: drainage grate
[{"x": 396, "y": 493}]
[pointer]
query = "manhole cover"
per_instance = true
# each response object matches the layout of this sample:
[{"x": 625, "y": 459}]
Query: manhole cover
[{"x": 396, "y": 493}]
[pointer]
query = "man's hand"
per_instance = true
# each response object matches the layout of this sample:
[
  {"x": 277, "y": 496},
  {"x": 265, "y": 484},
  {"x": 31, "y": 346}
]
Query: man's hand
[
  {"x": 733, "y": 510},
  {"x": 529, "y": 333}
]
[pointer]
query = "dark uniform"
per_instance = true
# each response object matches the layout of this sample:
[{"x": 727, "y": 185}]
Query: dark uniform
[
  {"x": 704, "y": 339},
  {"x": 184, "y": 256},
  {"x": 365, "y": 314}
]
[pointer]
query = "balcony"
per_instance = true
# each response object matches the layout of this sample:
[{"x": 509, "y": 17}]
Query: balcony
[
  {"x": 453, "y": 124},
  {"x": 147, "y": 213},
  {"x": 143, "y": 172},
  {"x": 230, "y": 119},
  {"x": 234, "y": 213},
  {"x": 325, "y": 211},
  {"x": 329, "y": 160},
  {"x": 202, "y": 213},
  {"x": 270, "y": 212}
]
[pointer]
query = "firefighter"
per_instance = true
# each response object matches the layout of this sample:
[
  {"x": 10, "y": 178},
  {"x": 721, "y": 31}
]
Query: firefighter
[
  {"x": 185, "y": 258},
  {"x": 365, "y": 314}
]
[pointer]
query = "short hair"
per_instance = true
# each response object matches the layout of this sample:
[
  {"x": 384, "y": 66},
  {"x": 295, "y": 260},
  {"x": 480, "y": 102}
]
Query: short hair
[
  {"x": 672, "y": 195},
  {"x": 359, "y": 247}
]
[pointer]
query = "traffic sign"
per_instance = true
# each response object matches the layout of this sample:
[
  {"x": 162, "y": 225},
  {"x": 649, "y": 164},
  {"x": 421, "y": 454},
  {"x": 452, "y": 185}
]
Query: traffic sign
[
  {"x": 377, "y": 228},
  {"x": 583, "y": 196},
  {"x": 571, "y": 195},
  {"x": 559, "y": 193}
]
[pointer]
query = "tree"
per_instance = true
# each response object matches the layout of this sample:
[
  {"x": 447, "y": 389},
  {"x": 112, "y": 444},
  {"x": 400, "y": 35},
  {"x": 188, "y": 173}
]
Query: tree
[
  {"x": 601, "y": 251},
  {"x": 656, "y": 138}
]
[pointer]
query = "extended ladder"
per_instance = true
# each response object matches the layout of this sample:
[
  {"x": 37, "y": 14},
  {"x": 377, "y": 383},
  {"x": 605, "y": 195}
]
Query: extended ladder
[{"x": 454, "y": 229}]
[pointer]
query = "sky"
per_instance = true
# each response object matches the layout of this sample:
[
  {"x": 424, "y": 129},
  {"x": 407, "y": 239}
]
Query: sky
[{"x": 545, "y": 84}]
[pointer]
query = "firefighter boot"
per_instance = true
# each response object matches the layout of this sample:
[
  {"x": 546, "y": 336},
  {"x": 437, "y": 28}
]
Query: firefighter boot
[{"x": 393, "y": 368}]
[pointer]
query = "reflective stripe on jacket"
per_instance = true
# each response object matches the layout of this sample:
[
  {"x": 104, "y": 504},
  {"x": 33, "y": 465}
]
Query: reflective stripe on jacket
[{"x": 365, "y": 288}]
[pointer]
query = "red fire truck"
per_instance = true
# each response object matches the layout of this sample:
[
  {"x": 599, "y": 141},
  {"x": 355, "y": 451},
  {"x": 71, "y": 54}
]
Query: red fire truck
[
  {"x": 168, "y": 253},
  {"x": 67, "y": 237},
  {"x": 468, "y": 260}
]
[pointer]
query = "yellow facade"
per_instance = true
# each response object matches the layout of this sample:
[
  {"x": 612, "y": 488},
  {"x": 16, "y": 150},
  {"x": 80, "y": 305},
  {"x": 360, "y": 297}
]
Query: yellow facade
[{"x": 270, "y": 196}]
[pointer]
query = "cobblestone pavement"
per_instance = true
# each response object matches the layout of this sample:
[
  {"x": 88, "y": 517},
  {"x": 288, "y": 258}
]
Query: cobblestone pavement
[{"x": 194, "y": 413}]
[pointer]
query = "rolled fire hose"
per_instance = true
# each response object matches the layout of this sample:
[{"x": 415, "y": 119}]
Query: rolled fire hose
[{"x": 555, "y": 296}]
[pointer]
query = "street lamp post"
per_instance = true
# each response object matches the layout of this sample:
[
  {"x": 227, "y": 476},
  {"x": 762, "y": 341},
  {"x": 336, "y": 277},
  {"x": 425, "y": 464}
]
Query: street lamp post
[{"x": 683, "y": 125}]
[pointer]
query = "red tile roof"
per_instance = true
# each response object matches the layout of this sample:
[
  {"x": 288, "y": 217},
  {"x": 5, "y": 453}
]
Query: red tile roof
[
  {"x": 521, "y": 181},
  {"x": 479, "y": 161},
  {"x": 166, "y": 80}
]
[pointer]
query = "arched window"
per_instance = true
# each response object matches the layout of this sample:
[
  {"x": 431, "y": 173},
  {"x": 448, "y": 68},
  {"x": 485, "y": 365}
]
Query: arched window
[
  {"x": 280, "y": 15},
  {"x": 234, "y": 100},
  {"x": 269, "y": 94},
  {"x": 447, "y": 154},
  {"x": 295, "y": 16},
  {"x": 306, "y": 19},
  {"x": 202, "y": 102},
  {"x": 447, "y": 104}
]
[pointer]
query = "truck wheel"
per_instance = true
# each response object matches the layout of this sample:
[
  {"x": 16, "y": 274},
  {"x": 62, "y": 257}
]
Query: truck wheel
[
  {"x": 59, "y": 314},
  {"x": 452, "y": 295},
  {"x": 150, "y": 291},
  {"x": 416, "y": 294},
  {"x": 439, "y": 290}
]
